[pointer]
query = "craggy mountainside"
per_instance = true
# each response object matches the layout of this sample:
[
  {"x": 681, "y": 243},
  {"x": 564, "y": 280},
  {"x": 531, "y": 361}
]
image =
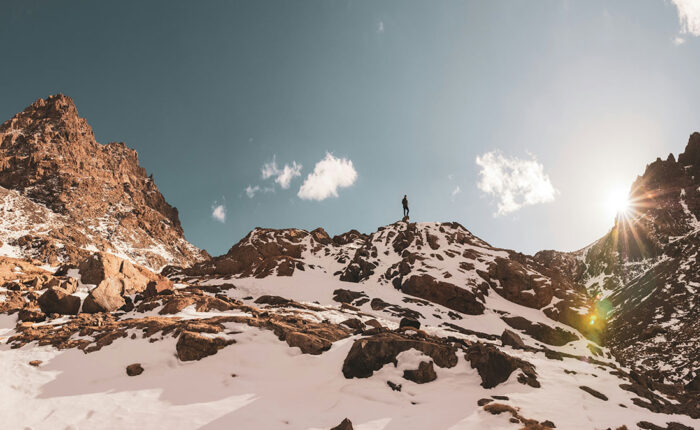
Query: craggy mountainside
[
  {"x": 62, "y": 194},
  {"x": 414, "y": 326},
  {"x": 646, "y": 271}
]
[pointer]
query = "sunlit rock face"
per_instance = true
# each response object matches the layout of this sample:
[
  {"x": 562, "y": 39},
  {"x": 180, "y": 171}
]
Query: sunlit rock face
[{"x": 64, "y": 195}]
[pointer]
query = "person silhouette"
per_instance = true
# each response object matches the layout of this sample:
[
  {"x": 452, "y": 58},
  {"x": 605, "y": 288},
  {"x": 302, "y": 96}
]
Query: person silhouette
[{"x": 404, "y": 202}]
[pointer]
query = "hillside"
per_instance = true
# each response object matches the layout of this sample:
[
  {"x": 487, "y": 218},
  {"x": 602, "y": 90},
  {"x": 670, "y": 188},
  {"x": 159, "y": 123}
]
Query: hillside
[{"x": 109, "y": 318}]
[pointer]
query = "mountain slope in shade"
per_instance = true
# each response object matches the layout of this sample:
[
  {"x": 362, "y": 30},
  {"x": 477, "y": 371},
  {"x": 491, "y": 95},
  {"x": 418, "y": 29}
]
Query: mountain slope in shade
[
  {"x": 90, "y": 196},
  {"x": 646, "y": 271}
]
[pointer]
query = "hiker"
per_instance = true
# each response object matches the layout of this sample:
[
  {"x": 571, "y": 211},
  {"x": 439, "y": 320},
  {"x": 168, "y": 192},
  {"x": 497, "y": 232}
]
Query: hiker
[{"x": 405, "y": 205}]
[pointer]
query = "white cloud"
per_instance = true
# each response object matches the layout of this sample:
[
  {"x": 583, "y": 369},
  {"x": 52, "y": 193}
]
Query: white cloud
[
  {"x": 688, "y": 16},
  {"x": 380, "y": 27},
  {"x": 678, "y": 40},
  {"x": 514, "y": 182},
  {"x": 329, "y": 174},
  {"x": 282, "y": 176},
  {"x": 250, "y": 191},
  {"x": 456, "y": 191},
  {"x": 219, "y": 212}
]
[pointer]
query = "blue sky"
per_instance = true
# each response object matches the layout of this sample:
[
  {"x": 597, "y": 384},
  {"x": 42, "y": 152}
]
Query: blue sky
[{"x": 563, "y": 102}]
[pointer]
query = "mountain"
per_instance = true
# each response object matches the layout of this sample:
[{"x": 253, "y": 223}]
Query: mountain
[
  {"x": 64, "y": 195},
  {"x": 413, "y": 326},
  {"x": 646, "y": 271}
]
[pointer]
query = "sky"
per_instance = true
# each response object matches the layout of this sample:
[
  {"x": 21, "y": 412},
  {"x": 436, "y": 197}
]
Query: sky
[{"x": 518, "y": 120}]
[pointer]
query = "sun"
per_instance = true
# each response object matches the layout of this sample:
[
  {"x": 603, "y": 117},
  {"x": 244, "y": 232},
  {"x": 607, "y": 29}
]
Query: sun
[{"x": 618, "y": 202}]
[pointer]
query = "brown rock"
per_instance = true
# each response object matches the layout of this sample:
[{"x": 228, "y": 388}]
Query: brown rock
[
  {"x": 594, "y": 393},
  {"x": 372, "y": 353},
  {"x": 510, "y": 338},
  {"x": 56, "y": 300},
  {"x": 346, "y": 424},
  {"x": 160, "y": 286},
  {"x": 308, "y": 343},
  {"x": 424, "y": 373},
  {"x": 31, "y": 315},
  {"x": 193, "y": 346},
  {"x": 35, "y": 363},
  {"x": 443, "y": 293},
  {"x": 106, "y": 297},
  {"x": 495, "y": 366},
  {"x": 134, "y": 369},
  {"x": 542, "y": 332}
]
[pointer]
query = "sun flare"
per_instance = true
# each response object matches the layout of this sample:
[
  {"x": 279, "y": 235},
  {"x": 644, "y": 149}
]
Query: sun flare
[{"x": 618, "y": 202}]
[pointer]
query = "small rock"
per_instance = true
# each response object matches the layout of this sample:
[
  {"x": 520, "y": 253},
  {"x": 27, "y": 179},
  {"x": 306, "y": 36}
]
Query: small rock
[
  {"x": 483, "y": 402},
  {"x": 31, "y": 315},
  {"x": 346, "y": 424},
  {"x": 56, "y": 300},
  {"x": 134, "y": 369},
  {"x": 106, "y": 297},
  {"x": 512, "y": 339},
  {"x": 594, "y": 393},
  {"x": 35, "y": 363},
  {"x": 424, "y": 373},
  {"x": 409, "y": 322},
  {"x": 193, "y": 346},
  {"x": 395, "y": 387}
]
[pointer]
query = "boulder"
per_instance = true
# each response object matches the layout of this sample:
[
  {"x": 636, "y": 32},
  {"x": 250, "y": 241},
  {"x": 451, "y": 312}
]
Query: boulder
[
  {"x": 56, "y": 300},
  {"x": 106, "y": 297},
  {"x": 593, "y": 392},
  {"x": 372, "y": 353},
  {"x": 542, "y": 332},
  {"x": 160, "y": 286},
  {"x": 510, "y": 338},
  {"x": 134, "y": 369},
  {"x": 409, "y": 323},
  {"x": 31, "y": 315},
  {"x": 101, "y": 266},
  {"x": 272, "y": 300},
  {"x": 424, "y": 373},
  {"x": 194, "y": 346},
  {"x": 308, "y": 343},
  {"x": 347, "y": 296},
  {"x": 513, "y": 281},
  {"x": 443, "y": 293},
  {"x": 346, "y": 424},
  {"x": 495, "y": 366}
]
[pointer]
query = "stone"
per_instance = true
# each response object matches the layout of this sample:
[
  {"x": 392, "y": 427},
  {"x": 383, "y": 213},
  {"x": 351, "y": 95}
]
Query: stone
[
  {"x": 594, "y": 393},
  {"x": 510, "y": 338},
  {"x": 443, "y": 293},
  {"x": 495, "y": 366},
  {"x": 106, "y": 297},
  {"x": 134, "y": 369},
  {"x": 31, "y": 315},
  {"x": 425, "y": 373},
  {"x": 346, "y": 424},
  {"x": 156, "y": 287},
  {"x": 56, "y": 300},
  {"x": 409, "y": 323},
  {"x": 194, "y": 346},
  {"x": 371, "y": 353}
]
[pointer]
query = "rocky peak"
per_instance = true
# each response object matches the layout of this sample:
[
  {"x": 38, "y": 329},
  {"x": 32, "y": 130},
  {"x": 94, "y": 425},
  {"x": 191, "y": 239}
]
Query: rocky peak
[{"x": 49, "y": 154}]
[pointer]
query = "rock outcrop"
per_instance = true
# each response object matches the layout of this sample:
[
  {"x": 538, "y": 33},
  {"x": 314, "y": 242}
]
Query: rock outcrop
[{"x": 61, "y": 191}]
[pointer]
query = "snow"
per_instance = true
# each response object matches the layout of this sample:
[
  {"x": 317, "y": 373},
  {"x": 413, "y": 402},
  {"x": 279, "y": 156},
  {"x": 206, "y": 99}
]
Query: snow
[{"x": 277, "y": 387}]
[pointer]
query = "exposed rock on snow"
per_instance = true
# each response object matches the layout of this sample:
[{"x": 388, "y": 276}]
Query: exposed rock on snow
[{"x": 371, "y": 353}]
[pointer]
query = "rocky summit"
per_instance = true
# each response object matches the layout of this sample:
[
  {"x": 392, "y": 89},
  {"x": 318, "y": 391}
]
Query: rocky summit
[
  {"x": 109, "y": 318},
  {"x": 62, "y": 194}
]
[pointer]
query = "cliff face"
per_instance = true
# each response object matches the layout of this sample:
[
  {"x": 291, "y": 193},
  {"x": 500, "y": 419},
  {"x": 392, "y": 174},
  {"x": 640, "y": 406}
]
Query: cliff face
[{"x": 92, "y": 196}]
